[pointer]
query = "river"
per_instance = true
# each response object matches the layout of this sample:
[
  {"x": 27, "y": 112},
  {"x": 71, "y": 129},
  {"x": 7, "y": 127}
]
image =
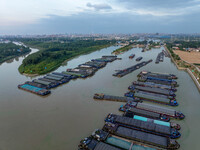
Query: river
[{"x": 60, "y": 120}]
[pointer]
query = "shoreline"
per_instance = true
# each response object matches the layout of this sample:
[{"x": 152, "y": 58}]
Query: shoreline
[{"x": 185, "y": 69}]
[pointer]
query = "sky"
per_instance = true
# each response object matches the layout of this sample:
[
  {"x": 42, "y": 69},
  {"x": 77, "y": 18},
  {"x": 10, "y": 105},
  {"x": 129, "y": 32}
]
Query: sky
[{"x": 99, "y": 16}]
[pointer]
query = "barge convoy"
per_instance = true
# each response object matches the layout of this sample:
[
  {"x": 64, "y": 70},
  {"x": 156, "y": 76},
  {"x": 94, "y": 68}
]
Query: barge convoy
[
  {"x": 39, "y": 86},
  {"x": 142, "y": 124},
  {"x": 126, "y": 71}
]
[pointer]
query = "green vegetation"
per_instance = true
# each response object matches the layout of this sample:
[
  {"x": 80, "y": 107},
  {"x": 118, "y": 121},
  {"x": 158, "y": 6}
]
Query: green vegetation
[
  {"x": 175, "y": 56},
  {"x": 53, "y": 54},
  {"x": 122, "y": 49},
  {"x": 10, "y": 50}
]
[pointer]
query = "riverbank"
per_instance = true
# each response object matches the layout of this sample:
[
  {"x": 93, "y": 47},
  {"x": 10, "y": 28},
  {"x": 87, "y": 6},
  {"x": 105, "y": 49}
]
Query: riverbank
[{"x": 188, "y": 67}]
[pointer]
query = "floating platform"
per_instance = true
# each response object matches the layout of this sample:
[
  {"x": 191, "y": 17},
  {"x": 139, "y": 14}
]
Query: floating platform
[
  {"x": 143, "y": 124},
  {"x": 146, "y": 138},
  {"x": 112, "y": 98},
  {"x": 33, "y": 89}
]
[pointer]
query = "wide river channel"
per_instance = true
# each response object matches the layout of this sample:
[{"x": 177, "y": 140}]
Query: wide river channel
[{"x": 69, "y": 114}]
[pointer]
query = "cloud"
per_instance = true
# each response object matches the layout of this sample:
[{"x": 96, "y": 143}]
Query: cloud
[{"x": 99, "y": 6}]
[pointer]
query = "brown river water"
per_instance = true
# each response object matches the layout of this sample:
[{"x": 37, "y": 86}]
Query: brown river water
[{"x": 60, "y": 120}]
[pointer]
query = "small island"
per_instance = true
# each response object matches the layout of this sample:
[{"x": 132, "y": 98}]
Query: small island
[
  {"x": 53, "y": 53},
  {"x": 11, "y": 50}
]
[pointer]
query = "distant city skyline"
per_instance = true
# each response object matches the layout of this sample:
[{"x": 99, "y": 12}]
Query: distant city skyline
[{"x": 102, "y": 16}]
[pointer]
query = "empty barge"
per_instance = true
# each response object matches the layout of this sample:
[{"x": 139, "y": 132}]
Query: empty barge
[
  {"x": 112, "y": 98},
  {"x": 33, "y": 89}
]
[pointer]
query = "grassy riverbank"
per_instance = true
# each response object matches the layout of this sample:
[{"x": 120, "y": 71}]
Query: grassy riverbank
[
  {"x": 53, "y": 54},
  {"x": 122, "y": 49}
]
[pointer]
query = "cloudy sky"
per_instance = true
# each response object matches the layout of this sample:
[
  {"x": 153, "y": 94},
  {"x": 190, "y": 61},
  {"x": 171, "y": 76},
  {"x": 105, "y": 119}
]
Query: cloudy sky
[{"x": 99, "y": 16}]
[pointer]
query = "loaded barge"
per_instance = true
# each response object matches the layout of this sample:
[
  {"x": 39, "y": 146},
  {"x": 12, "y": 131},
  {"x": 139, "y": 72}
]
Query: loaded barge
[
  {"x": 132, "y": 111},
  {"x": 126, "y": 71},
  {"x": 157, "y": 109},
  {"x": 112, "y": 98},
  {"x": 132, "y": 56},
  {"x": 157, "y": 75},
  {"x": 33, "y": 89},
  {"x": 138, "y": 95},
  {"x": 91, "y": 144},
  {"x": 163, "y": 123},
  {"x": 152, "y": 90},
  {"x": 49, "y": 84},
  {"x": 158, "y": 81},
  {"x": 145, "y": 125},
  {"x": 119, "y": 142},
  {"x": 139, "y": 58},
  {"x": 146, "y": 138},
  {"x": 151, "y": 84},
  {"x": 131, "y": 93}
]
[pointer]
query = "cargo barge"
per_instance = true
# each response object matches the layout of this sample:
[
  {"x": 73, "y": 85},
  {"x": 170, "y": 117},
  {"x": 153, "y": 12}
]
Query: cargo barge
[
  {"x": 132, "y": 56},
  {"x": 146, "y": 138},
  {"x": 57, "y": 83},
  {"x": 159, "y": 58},
  {"x": 152, "y": 90},
  {"x": 142, "y": 96},
  {"x": 37, "y": 85},
  {"x": 119, "y": 142},
  {"x": 90, "y": 143},
  {"x": 151, "y": 84},
  {"x": 126, "y": 71},
  {"x": 33, "y": 89},
  {"x": 112, "y": 98},
  {"x": 139, "y": 58},
  {"x": 132, "y": 111},
  {"x": 49, "y": 84},
  {"x": 148, "y": 119},
  {"x": 157, "y": 75},
  {"x": 157, "y": 109},
  {"x": 131, "y": 94},
  {"x": 74, "y": 74},
  {"x": 64, "y": 75},
  {"x": 158, "y": 81},
  {"x": 145, "y": 125}
]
